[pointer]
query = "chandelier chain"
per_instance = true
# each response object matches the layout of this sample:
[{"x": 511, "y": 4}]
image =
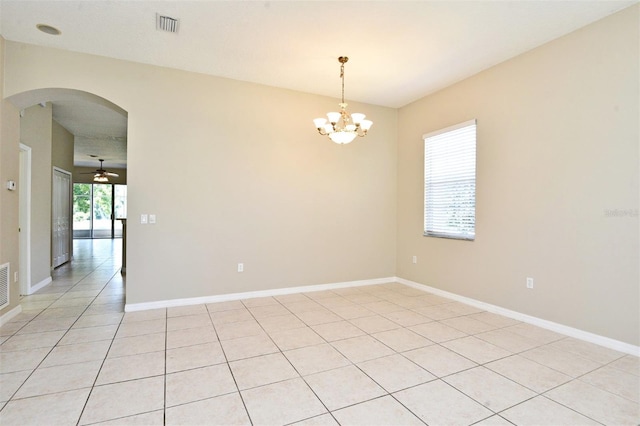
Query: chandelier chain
[{"x": 342, "y": 77}]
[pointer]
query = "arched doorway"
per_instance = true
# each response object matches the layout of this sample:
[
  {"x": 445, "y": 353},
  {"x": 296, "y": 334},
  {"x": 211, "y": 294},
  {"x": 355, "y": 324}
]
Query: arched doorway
[{"x": 70, "y": 130}]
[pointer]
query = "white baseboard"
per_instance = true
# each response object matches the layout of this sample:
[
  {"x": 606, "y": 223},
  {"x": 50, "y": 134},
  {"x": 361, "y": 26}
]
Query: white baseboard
[
  {"x": 8, "y": 316},
  {"x": 132, "y": 307},
  {"x": 549, "y": 325},
  {"x": 40, "y": 285}
]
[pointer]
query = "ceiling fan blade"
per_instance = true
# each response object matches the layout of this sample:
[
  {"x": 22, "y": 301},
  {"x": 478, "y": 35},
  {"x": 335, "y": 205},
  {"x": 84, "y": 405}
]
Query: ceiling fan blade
[{"x": 111, "y": 174}]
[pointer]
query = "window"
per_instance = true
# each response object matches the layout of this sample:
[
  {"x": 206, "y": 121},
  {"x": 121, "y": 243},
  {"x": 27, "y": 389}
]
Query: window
[{"x": 450, "y": 182}]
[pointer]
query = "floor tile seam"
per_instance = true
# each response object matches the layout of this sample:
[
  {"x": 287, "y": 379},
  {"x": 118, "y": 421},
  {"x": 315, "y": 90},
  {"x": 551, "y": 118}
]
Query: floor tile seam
[
  {"x": 66, "y": 328},
  {"x": 361, "y": 402},
  {"x": 579, "y": 378},
  {"x": 131, "y": 379},
  {"x": 603, "y": 364},
  {"x": 226, "y": 361},
  {"x": 407, "y": 408},
  {"x": 164, "y": 381},
  {"x": 369, "y": 335},
  {"x": 13, "y": 398},
  {"x": 522, "y": 384},
  {"x": 542, "y": 395},
  {"x": 169, "y": 407},
  {"x": 535, "y": 394},
  {"x": 115, "y": 418},
  {"x": 474, "y": 361},
  {"x": 312, "y": 417},
  {"x": 385, "y": 389},
  {"x": 610, "y": 365},
  {"x": 291, "y": 365},
  {"x": 38, "y": 365},
  {"x": 312, "y": 391},
  {"x": 311, "y": 310},
  {"x": 94, "y": 386},
  {"x": 506, "y": 349},
  {"x": 522, "y": 354},
  {"x": 424, "y": 368},
  {"x": 6, "y": 351},
  {"x": 110, "y": 357},
  {"x": 270, "y": 383},
  {"x": 493, "y": 412}
]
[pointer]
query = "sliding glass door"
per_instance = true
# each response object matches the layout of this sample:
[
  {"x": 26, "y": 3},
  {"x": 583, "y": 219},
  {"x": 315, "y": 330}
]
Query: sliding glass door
[
  {"x": 93, "y": 208},
  {"x": 82, "y": 202}
]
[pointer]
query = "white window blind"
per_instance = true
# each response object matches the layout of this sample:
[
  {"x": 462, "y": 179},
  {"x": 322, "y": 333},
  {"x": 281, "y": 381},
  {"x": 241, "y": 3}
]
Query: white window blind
[{"x": 450, "y": 182}]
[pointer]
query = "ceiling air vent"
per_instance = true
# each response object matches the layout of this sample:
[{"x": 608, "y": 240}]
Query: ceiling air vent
[{"x": 166, "y": 23}]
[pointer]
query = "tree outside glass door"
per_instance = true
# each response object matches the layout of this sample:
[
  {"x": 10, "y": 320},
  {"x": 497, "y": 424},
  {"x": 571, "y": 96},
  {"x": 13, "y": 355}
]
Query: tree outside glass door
[
  {"x": 93, "y": 205},
  {"x": 102, "y": 208}
]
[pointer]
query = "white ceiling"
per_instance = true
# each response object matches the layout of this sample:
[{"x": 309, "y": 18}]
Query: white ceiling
[{"x": 399, "y": 51}]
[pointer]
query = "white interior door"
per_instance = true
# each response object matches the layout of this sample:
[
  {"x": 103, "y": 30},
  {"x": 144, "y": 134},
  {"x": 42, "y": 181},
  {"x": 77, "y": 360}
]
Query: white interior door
[
  {"x": 61, "y": 221},
  {"x": 24, "y": 194}
]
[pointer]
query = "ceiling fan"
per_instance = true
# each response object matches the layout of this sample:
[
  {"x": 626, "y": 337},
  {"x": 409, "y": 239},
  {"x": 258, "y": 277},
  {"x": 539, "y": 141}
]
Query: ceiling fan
[{"x": 101, "y": 175}]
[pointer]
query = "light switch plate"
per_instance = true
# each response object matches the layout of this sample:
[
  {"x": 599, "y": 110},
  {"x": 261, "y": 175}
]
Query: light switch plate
[{"x": 144, "y": 219}]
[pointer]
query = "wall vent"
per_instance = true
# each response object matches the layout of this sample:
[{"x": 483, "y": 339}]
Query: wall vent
[
  {"x": 4, "y": 285},
  {"x": 166, "y": 23}
]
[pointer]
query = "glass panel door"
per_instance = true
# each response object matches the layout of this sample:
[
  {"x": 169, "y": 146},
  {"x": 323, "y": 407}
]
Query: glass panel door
[
  {"x": 82, "y": 210},
  {"x": 92, "y": 207},
  {"x": 119, "y": 207},
  {"x": 102, "y": 203}
]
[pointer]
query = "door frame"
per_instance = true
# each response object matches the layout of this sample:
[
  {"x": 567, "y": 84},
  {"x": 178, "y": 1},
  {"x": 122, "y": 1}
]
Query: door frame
[
  {"x": 24, "y": 196},
  {"x": 69, "y": 208}
]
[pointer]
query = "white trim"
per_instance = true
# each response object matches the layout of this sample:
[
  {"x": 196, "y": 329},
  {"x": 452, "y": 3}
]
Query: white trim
[
  {"x": 69, "y": 207},
  {"x": 133, "y": 307},
  {"x": 24, "y": 249},
  {"x": 549, "y": 325},
  {"x": 449, "y": 129},
  {"x": 8, "y": 316},
  {"x": 40, "y": 285}
]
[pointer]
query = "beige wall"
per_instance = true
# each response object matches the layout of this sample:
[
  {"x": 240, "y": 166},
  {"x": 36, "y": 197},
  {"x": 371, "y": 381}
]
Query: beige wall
[
  {"x": 235, "y": 172},
  {"x": 36, "y": 133},
  {"x": 85, "y": 175},
  {"x": 9, "y": 170},
  {"x": 61, "y": 147},
  {"x": 557, "y": 148}
]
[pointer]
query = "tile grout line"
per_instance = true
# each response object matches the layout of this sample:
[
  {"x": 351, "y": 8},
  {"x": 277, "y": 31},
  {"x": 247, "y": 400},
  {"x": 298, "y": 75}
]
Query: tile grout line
[
  {"x": 53, "y": 347},
  {"x": 224, "y": 353}
]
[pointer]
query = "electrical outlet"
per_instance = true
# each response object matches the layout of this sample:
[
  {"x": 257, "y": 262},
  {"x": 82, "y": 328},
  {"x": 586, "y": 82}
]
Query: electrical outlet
[
  {"x": 240, "y": 267},
  {"x": 529, "y": 282},
  {"x": 415, "y": 259}
]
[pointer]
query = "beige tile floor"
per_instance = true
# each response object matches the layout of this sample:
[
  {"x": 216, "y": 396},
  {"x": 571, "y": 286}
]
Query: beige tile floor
[{"x": 376, "y": 355}]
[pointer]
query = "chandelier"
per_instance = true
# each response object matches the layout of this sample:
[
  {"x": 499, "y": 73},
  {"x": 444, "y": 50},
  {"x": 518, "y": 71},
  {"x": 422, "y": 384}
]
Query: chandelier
[{"x": 342, "y": 128}]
